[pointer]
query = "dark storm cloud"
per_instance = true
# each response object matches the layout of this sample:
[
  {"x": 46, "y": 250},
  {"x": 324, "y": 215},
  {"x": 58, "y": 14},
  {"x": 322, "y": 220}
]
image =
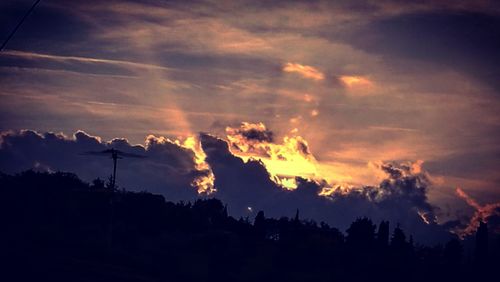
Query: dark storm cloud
[
  {"x": 465, "y": 41},
  {"x": 168, "y": 169},
  {"x": 401, "y": 198},
  {"x": 239, "y": 184}
]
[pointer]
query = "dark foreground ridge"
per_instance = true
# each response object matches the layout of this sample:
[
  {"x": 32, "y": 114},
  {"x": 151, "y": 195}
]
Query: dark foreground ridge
[{"x": 56, "y": 227}]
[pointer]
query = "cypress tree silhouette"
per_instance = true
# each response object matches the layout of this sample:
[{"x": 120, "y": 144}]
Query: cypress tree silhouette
[
  {"x": 398, "y": 239},
  {"x": 383, "y": 234},
  {"x": 482, "y": 242},
  {"x": 260, "y": 225},
  {"x": 296, "y": 218}
]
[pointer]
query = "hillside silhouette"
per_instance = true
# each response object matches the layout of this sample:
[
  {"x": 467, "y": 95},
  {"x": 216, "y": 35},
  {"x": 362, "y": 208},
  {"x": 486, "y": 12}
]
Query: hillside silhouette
[{"x": 56, "y": 227}]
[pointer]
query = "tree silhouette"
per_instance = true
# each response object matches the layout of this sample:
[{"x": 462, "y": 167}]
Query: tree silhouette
[
  {"x": 398, "y": 239},
  {"x": 383, "y": 234},
  {"x": 482, "y": 242},
  {"x": 55, "y": 228},
  {"x": 453, "y": 252},
  {"x": 361, "y": 233}
]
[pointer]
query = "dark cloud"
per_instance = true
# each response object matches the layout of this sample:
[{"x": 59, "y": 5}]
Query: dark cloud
[
  {"x": 401, "y": 198},
  {"x": 168, "y": 169},
  {"x": 239, "y": 184},
  {"x": 246, "y": 187},
  {"x": 253, "y": 132}
]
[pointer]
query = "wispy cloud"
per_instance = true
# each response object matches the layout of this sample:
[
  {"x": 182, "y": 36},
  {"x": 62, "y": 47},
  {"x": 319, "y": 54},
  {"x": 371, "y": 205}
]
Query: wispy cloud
[
  {"x": 76, "y": 59},
  {"x": 396, "y": 129}
]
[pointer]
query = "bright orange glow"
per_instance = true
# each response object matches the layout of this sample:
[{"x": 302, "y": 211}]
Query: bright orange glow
[
  {"x": 204, "y": 184},
  {"x": 292, "y": 158},
  {"x": 416, "y": 167},
  {"x": 305, "y": 71},
  {"x": 356, "y": 81},
  {"x": 288, "y": 183},
  {"x": 283, "y": 161},
  {"x": 342, "y": 189}
]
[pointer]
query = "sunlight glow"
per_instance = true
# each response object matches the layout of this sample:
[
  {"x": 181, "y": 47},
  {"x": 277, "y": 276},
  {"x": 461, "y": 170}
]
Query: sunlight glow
[
  {"x": 305, "y": 71},
  {"x": 204, "y": 183},
  {"x": 283, "y": 161},
  {"x": 356, "y": 81}
]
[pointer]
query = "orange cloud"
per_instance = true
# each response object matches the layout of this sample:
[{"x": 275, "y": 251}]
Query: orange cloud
[
  {"x": 305, "y": 71},
  {"x": 482, "y": 213},
  {"x": 284, "y": 161},
  {"x": 205, "y": 183},
  {"x": 358, "y": 82},
  {"x": 289, "y": 158}
]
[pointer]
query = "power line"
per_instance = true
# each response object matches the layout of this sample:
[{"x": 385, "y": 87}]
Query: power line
[{"x": 19, "y": 24}]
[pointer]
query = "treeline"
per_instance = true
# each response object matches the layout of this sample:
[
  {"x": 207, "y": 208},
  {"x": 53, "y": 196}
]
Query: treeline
[{"x": 56, "y": 227}]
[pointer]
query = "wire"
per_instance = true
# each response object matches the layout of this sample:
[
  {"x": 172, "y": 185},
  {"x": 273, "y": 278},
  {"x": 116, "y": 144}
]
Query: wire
[{"x": 18, "y": 25}]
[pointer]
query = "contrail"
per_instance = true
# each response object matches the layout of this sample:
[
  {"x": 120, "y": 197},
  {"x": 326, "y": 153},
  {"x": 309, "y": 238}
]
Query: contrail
[{"x": 19, "y": 24}]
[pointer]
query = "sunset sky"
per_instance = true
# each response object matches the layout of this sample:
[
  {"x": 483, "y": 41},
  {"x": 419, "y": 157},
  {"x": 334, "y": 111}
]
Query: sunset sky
[{"x": 330, "y": 91}]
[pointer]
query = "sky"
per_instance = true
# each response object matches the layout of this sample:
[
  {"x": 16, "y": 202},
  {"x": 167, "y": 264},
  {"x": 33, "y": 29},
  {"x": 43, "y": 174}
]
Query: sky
[{"x": 339, "y": 107}]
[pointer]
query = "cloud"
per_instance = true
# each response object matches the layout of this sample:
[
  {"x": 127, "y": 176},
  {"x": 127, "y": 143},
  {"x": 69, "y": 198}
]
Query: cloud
[
  {"x": 250, "y": 132},
  {"x": 240, "y": 172},
  {"x": 74, "y": 59},
  {"x": 483, "y": 213},
  {"x": 173, "y": 168},
  {"x": 403, "y": 188},
  {"x": 291, "y": 156},
  {"x": 358, "y": 85},
  {"x": 248, "y": 186},
  {"x": 306, "y": 71},
  {"x": 353, "y": 81},
  {"x": 284, "y": 161}
]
